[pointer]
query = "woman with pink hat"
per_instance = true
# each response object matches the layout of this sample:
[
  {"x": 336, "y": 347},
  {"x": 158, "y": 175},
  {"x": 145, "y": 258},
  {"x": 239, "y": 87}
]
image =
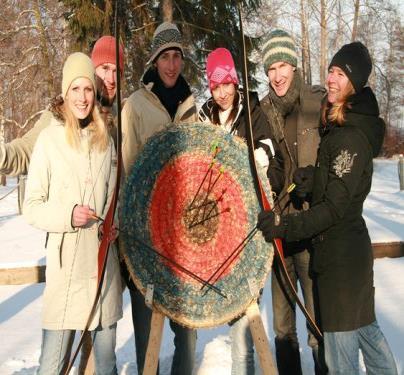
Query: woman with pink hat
[{"x": 225, "y": 109}]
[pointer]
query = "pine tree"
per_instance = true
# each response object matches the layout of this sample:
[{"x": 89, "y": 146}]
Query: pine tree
[{"x": 205, "y": 25}]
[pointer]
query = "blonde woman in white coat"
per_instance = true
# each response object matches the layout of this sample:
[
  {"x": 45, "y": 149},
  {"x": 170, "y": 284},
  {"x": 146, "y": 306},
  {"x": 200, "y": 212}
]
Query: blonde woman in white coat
[{"x": 70, "y": 182}]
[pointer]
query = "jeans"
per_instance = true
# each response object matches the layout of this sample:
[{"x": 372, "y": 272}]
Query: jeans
[
  {"x": 57, "y": 346},
  {"x": 242, "y": 347},
  {"x": 342, "y": 351},
  {"x": 184, "y": 339},
  {"x": 284, "y": 311}
]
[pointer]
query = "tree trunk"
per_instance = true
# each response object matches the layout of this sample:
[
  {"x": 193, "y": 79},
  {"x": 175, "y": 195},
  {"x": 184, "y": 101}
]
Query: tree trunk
[
  {"x": 44, "y": 48},
  {"x": 339, "y": 33},
  {"x": 305, "y": 44},
  {"x": 323, "y": 41},
  {"x": 21, "y": 192},
  {"x": 2, "y": 140},
  {"x": 355, "y": 21},
  {"x": 107, "y": 29},
  {"x": 166, "y": 7}
]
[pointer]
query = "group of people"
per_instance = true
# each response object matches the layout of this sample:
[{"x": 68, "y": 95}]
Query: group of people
[{"x": 323, "y": 142}]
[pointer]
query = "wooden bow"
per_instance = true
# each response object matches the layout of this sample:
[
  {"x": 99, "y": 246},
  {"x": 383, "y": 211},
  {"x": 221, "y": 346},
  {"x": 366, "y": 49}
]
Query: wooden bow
[
  {"x": 262, "y": 198},
  {"x": 107, "y": 235}
]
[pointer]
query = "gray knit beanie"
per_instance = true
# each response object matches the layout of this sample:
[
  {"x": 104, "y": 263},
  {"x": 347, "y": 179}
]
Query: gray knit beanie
[
  {"x": 279, "y": 46},
  {"x": 166, "y": 36}
]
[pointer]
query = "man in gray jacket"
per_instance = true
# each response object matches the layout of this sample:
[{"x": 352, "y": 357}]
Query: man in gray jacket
[{"x": 293, "y": 110}]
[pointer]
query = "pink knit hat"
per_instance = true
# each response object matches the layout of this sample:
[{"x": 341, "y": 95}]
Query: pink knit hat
[
  {"x": 104, "y": 52},
  {"x": 220, "y": 68}
]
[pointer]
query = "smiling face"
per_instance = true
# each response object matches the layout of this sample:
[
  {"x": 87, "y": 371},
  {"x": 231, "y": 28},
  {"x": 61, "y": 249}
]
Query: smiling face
[
  {"x": 80, "y": 97},
  {"x": 223, "y": 94},
  {"x": 338, "y": 85},
  {"x": 280, "y": 75},
  {"x": 106, "y": 81},
  {"x": 169, "y": 66}
]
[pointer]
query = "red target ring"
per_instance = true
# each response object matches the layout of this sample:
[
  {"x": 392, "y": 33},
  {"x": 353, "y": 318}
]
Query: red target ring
[{"x": 197, "y": 226}]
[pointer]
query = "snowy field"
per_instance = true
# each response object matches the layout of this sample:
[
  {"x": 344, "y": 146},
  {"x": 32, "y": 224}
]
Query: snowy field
[{"x": 20, "y": 306}]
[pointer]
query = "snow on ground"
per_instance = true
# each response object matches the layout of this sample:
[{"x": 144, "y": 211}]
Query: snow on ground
[{"x": 20, "y": 306}]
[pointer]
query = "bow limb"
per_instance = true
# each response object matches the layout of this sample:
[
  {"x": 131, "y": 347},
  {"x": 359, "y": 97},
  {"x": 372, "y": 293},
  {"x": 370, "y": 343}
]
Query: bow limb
[
  {"x": 109, "y": 219},
  {"x": 262, "y": 198}
]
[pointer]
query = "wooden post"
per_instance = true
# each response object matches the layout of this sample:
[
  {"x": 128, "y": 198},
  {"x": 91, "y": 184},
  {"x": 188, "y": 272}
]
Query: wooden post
[
  {"x": 260, "y": 340},
  {"x": 21, "y": 191},
  {"x": 153, "y": 348}
]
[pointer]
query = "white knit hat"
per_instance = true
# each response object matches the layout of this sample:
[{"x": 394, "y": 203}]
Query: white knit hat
[
  {"x": 77, "y": 65},
  {"x": 165, "y": 37}
]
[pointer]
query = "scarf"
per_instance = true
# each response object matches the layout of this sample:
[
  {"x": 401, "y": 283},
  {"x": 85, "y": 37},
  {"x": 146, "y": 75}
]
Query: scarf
[
  {"x": 170, "y": 97},
  {"x": 281, "y": 106}
]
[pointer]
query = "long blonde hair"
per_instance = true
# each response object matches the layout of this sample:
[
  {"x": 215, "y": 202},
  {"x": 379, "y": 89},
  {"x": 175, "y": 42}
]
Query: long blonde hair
[
  {"x": 336, "y": 112},
  {"x": 98, "y": 130}
]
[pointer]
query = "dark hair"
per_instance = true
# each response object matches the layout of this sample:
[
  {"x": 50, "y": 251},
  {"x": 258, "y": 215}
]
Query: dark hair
[{"x": 233, "y": 113}]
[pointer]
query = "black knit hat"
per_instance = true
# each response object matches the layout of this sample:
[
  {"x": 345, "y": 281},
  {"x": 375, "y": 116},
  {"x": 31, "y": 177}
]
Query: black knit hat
[{"x": 355, "y": 61}]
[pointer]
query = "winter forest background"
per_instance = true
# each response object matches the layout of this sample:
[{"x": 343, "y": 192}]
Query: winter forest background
[{"x": 37, "y": 35}]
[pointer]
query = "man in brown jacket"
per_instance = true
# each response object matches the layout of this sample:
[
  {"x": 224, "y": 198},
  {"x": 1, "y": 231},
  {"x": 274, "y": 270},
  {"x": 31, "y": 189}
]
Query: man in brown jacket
[{"x": 293, "y": 110}]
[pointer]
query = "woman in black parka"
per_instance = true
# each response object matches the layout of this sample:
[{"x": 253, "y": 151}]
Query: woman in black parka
[
  {"x": 225, "y": 109},
  {"x": 342, "y": 259}
]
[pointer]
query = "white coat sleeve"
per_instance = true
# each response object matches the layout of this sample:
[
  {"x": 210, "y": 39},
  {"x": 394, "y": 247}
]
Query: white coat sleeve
[
  {"x": 41, "y": 211},
  {"x": 130, "y": 141}
]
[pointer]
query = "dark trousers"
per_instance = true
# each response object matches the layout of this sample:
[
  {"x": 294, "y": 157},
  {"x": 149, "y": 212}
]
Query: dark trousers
[
  {"x": 284, "y": 311},
  {"x": 184, "y": 338}
]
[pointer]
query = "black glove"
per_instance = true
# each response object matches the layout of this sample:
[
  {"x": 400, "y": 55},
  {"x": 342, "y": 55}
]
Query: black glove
[
  {"x": 271, "y": 225},
  {"x": 304, "y": 180}
]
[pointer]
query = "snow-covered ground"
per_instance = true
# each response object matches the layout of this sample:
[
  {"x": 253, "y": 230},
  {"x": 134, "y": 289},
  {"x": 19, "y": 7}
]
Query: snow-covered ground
[{"x": 20, "y": 306}]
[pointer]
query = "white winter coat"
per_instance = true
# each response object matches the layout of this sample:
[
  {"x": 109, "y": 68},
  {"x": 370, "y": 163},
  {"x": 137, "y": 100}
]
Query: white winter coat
[{"x": 59, "y": 178}]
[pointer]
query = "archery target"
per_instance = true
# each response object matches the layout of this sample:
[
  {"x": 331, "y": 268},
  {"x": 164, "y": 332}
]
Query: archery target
[{"x": 187, "y": 206}]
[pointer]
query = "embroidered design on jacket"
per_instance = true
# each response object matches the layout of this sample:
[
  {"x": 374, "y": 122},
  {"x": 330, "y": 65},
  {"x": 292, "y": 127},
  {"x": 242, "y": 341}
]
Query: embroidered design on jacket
[{"x": 343, "y": 163}]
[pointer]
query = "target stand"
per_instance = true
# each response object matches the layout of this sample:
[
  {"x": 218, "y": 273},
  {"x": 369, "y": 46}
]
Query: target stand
[{"x": 188, "y": 234}]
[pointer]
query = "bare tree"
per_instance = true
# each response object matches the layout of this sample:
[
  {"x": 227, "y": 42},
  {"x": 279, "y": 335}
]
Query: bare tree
[
  {"x": 31, "y": 36},
  {"x": 167, "y": 10},
  {"x": 323, "y": 40},
  {"x": 355, "y": 20},
  {"x": 306, "y": 65}
]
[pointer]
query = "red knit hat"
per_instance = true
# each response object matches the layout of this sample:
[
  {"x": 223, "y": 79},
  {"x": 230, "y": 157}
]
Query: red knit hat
[
  {"x": 220, "y": 68},
  {"x": 104, "y": 52}
]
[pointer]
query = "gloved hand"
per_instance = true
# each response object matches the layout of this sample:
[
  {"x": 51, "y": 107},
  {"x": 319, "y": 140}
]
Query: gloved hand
[
  {"x": 271, "y": 225},
  {"x": 304, "y": 180}
]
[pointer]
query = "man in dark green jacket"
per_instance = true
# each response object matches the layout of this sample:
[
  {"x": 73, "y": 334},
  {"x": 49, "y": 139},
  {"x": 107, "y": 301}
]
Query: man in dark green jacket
[
  {"x": 352, "y": 135},
  {"x": 293, "y": 110}
]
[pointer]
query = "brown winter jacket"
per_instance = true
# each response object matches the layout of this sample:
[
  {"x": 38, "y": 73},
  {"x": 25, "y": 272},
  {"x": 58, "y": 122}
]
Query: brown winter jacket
[{"x": 306, "y": 119}]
